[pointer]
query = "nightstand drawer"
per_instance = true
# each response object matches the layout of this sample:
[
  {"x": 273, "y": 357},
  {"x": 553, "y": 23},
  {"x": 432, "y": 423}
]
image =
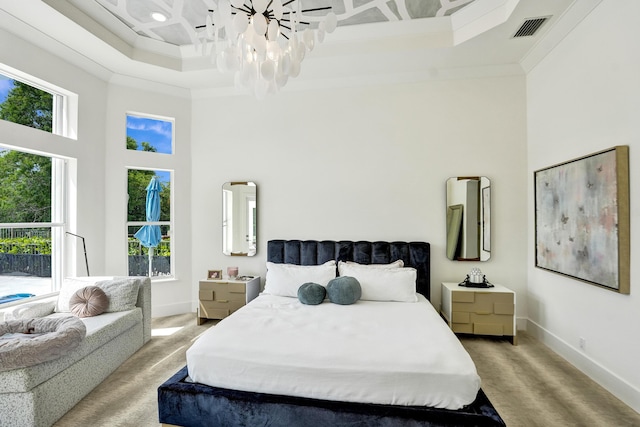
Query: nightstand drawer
[
  {"x": 503, "y": 321},
  {"x": 489, "y": 329},
  {"x": 472, "y": 323},
  {"x": 205, "y": 295},
  {"x": 462, "y": 296},
  {"x": 212, "y": 309},
  {"x": 462, "y": 328},
  {"x": 222, "y": 291},
  {"x": 483, "y": 302},
  {"x": 504, "y": 308},
  {"x": 460, "y": 317},
  {"x": 213, "y": 313}
]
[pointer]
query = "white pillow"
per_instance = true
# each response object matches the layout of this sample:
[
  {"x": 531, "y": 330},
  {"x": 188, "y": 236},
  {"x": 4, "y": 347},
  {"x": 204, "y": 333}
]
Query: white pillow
[
  {"x": 384, "y": 284},
  {"x": 31, "y": 310},
  {"x": 285, "y": 279},
  {"x": 395, "y": 264},
  {"x": 122, "y": 292}
]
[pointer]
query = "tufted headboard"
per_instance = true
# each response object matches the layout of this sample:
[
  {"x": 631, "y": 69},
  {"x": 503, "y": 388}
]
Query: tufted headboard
[{"x": 313, "y": 252}]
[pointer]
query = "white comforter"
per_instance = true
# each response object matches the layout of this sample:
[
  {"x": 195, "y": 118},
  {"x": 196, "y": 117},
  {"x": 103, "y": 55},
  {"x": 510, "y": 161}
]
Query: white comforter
[{"x": 376, "y": 352}]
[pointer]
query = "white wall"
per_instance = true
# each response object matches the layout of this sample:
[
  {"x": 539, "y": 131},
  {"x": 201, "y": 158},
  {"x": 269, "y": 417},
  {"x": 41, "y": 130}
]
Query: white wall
[
  {"x": 365, "y": 164},
  {"x": 582, "y": 98},
  {"x": 172, "y": 296}
]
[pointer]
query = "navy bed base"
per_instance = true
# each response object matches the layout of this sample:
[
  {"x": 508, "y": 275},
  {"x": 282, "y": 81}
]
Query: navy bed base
[{"x": 189, "y": 404}]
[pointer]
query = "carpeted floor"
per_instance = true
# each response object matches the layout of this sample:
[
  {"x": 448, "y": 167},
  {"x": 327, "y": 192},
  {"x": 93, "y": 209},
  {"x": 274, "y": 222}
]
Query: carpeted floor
[
  {"x": 528, "y": 384},
  {"x": 128, "y": 397},
  {"x": 532, "y": 386}
]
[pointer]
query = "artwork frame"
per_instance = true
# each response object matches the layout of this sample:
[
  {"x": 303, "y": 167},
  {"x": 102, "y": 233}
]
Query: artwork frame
[
  {"x": 214, "y": 274},
  {"x": 582, "y": 219}
]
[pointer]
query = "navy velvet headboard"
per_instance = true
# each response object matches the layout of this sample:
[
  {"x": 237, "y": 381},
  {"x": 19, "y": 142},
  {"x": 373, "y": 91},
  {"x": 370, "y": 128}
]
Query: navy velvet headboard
[{"x": 313, "y": 252}]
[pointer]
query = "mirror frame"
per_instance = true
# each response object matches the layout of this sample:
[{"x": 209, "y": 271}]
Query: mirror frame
[
  {"x": 463, "y": 222},
  {"x": 239, "y": 211}
]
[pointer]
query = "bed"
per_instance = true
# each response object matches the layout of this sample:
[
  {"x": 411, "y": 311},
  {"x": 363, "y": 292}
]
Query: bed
[{"x": 330, "y": 383}]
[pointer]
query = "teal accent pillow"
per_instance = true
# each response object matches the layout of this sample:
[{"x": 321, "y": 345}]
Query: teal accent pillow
[
  {"x": 311, "y": 293},
  {"x": 344, "y": 290}
]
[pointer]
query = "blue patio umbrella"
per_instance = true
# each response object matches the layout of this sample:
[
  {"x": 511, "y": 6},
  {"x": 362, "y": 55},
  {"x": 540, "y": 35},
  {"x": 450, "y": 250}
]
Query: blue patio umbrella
[{"x": 150, "y": 235}]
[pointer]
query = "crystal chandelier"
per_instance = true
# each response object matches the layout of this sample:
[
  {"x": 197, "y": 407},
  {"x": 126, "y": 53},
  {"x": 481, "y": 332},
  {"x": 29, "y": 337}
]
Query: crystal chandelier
[{"x": 262, "y": 41}]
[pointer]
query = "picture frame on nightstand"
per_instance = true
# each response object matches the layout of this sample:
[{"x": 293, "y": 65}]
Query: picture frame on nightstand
[{"x": 214, "y": 274}]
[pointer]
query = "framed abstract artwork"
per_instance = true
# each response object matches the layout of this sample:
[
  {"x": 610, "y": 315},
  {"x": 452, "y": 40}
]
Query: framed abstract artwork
[{"x": 582, "y": 219}]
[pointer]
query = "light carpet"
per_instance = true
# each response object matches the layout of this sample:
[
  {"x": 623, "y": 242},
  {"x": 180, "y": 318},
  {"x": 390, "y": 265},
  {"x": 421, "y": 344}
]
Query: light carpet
[{"x": 529, "y": 384}]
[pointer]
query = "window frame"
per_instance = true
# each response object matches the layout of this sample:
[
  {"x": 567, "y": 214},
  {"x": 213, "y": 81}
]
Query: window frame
[
  {"x": 65, "y": 103},
  {"x": 169, "y": 223},
  {"x": 58, "y": 223},
  {"x": 64, "y": 122}
]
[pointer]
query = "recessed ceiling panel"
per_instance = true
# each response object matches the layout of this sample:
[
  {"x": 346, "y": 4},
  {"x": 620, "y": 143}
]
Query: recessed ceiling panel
[{"x": 184, "y": 15}]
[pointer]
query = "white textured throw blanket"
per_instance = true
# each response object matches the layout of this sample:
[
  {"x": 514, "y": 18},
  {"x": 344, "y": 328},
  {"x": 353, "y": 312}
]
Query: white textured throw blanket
[
  {"x": 28, "y": 342},
  {"x": 395, "y": 353}
]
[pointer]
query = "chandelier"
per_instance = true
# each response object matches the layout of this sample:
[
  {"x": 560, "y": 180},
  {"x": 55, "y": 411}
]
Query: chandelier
[{"x": 263, "y": 42}]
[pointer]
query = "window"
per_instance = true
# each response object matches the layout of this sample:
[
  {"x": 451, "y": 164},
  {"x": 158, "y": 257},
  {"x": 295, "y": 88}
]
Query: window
[
  {"x": 149, "y": 238},
  {"x": 32, "y": 190},
  {"x": 149, "y": 134},
  {"x": 149, "y": 226}
]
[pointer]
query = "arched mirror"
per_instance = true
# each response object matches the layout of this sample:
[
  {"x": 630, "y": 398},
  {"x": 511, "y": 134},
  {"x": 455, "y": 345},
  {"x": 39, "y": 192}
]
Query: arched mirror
[
  {"x": 469, "y": 218},
  {"x": 239, "y": 218}
]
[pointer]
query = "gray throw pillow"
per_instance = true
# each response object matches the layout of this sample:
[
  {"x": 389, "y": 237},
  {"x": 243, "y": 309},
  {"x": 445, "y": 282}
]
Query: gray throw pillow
[
  {"x": 311, "y": 293},
  {"x": 344, "y": 290}
]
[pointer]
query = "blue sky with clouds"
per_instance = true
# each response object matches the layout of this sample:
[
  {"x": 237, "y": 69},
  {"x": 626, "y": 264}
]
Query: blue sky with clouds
[
  {"x": 6, "y": 84},
  {"x": 158, "y": 133}
]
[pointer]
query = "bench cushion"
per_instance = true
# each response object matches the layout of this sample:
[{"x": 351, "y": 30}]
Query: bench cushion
[
  {"x": 28, "y": 342},
  {"x": 100, "y": 330}
]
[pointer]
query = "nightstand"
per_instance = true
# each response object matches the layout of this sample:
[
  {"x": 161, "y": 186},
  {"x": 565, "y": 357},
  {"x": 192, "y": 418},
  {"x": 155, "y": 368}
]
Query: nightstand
[
  {"x": 479, "y": 311},
  {"x": 217, "y": 299}
]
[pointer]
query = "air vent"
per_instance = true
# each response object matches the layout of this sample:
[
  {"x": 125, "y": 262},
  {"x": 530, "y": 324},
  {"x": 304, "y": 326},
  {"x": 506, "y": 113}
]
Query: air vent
[{"x": 530, "y": 26}]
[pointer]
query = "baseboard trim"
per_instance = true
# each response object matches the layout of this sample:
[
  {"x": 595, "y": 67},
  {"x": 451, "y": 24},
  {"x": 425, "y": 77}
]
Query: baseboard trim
[
  {"x": 617, "y": 386},
  {"x": 171, "y": 309}
]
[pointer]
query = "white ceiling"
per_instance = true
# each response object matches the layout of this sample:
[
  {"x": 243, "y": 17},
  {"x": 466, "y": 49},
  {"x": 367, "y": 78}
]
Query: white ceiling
[{"x": 387, "y": 41}]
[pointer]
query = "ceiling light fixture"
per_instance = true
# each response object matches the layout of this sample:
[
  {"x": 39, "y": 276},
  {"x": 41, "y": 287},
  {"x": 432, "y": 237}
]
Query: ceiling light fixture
[
  {"x": 264, "y": 41},
  {"x": 157, "y": 16}
]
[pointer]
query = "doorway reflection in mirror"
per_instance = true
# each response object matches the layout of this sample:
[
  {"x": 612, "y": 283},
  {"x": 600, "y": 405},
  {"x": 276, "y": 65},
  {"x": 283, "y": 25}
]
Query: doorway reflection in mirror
[
  {"x": 468, "y": 218},
  {"x": 239, "y": 218}
]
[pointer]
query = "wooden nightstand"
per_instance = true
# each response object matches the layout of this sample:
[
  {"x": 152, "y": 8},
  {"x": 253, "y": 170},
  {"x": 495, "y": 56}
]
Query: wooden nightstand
[
  {"x": 479, "y": 311},
  {"x": 219, "y": 298}
]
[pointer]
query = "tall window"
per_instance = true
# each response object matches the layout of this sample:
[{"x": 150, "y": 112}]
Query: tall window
[
  {"x": 31, "y": 196},
  {"x": 149, "y": 198},
  {"x": 149, "y": 223}
]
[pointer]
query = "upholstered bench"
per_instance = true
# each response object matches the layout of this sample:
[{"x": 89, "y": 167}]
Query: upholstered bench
[{"x": 39, "y": 395}]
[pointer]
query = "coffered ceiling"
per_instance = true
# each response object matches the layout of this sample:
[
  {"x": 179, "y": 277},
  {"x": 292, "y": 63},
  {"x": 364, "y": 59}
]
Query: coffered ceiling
[{"x": 376, "y": 41}]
